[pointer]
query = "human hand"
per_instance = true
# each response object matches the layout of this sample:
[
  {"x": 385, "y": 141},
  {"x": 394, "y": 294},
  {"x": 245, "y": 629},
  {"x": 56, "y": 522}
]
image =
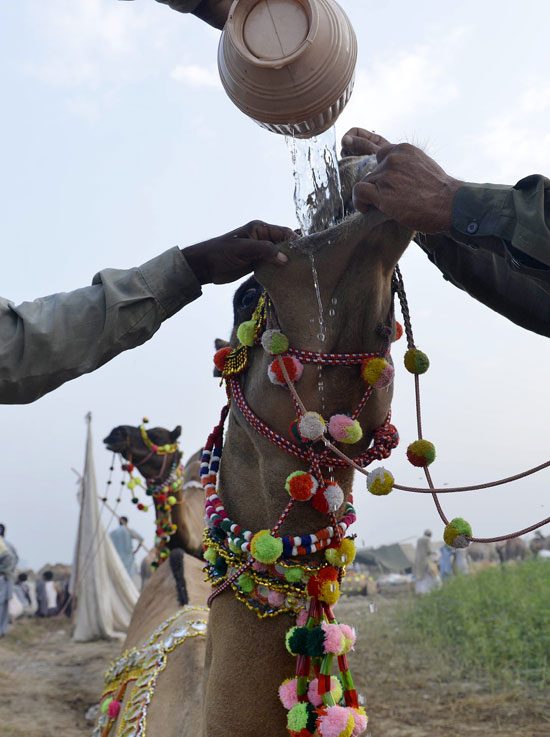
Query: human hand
[
  {"x": 233, "y": 255},
  {"x": 407, "y": 185},
  {"x": 213, "y": 12}
]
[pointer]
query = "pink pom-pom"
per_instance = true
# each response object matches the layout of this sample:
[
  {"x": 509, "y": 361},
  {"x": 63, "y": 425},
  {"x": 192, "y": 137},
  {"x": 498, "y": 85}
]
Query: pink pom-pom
[
  {"x": 338, "y": 425},
  {"x": 113, "y": 709},
  {"x": 313, "y": 693},
  {"x": 276, "y": 598},
  {"x": 334, "y": 722},
  {"x": 288, "y": 693},
  {"x": 349, "y": 633},
  {"x": 301, "y": 618},
  {"x": 333, "y": 638},
  {"x": 257, "y": 566},
  {"x": 386, "y": 377},
  {"x": 360, "y": 722}
]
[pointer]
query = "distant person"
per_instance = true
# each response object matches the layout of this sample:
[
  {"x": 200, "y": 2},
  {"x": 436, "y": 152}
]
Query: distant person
[
  {"x": 22, "y": 591},
  {"x": 461, "y": 564},
  {"x": 122, "y": 540},
  {"x": 46, "y": 595},
  {"x": 145, "y": 568},
  {"x": 425, "y": 570},
  {"x": 446, "y": 562},
  {"x": 8, "y": 562}
]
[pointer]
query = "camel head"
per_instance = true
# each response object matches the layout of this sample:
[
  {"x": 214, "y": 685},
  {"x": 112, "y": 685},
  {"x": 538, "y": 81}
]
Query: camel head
[
  {"x": 354, "y": 263},
  {"x": 129, "y": 442}
]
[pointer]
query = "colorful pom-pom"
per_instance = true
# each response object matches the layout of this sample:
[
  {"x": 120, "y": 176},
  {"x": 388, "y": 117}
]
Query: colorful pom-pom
[
  {"x": 377, "y": 372},
  {"x": 295, "y": 435},
  {"x": 316, "y": 642},
  {"x": 220, "y": 357},
  {"x": 311, "y": 426},
  {"x": 293, "y": 575},
  {"x": 343, "y": 555},
  {"x": 172, "y": 500},
  {"x": 105, "y": 705},
  {"x": 265, "y": 547},
  {"x": 334, "y": 496},
  {"x": 296, "y": 640},
  {"x": 314, "y": 696},
  {"x": 210, "y": 555},
  {"x": 274, "y": 342},
  {"x": 334, "y": 639},
  {"x": 293, "y": 366},
  {"x": 276, "y": 598},
  {"x": 302, "y": 716},
  {"x": 380, "y": 481},
  {"x": 245, "y": 332},
  {"x": 416, "y": 362},
  {"x": 360, "y": 721},
  {"x": 421, "y": 453},
  {"x": 220, "y": 566},
  {"x": 344, "y": 429},
  {"x": 457, "y": 532},
  {"x": 288, "y": 693},
  {"x": 327, "y": 574},
  {"x": 398, "y": 330},
  {"x": 301, "y": 485},
  {"x": 246, "y": 583},
  {"x": 113, "y": 710},
  {"x": 350, "y": 635},
  {"x": 335, "y": 721}
]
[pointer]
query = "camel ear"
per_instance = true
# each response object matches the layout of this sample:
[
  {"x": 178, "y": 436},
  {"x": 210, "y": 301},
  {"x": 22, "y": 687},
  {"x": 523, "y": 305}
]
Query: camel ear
[
  {"x": 176, "y": 432},
  {"x": 220, "y": 343}
]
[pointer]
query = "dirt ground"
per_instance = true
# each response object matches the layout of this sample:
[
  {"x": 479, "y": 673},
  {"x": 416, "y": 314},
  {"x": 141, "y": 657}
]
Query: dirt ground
[{"x": 48, "y": 683}]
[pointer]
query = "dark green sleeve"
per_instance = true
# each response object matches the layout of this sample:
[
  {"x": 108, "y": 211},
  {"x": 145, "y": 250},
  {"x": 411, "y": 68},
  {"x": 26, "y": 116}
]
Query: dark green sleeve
[{"x": 498, "y": 249}]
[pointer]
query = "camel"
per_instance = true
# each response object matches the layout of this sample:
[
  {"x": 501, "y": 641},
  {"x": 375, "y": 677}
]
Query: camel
[
  {"x": 246, "y": 660},
  {"x": 539, "y": 542},
  {"x": 187, "y": 513},
  {"x": 512, "y": 549}
]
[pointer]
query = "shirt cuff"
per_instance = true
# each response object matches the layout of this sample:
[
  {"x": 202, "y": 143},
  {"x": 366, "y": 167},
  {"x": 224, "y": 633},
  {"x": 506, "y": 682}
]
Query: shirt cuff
[
  {"x": 171, "y": 280},
  {"x": 183, "y": 6},
  {"x": 478, "y": 210}
]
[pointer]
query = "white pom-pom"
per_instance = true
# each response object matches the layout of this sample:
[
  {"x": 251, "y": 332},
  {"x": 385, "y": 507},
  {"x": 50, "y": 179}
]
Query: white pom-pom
[
  {"x": 334, "y": 496},
  {"x": 311, "y": 426}
]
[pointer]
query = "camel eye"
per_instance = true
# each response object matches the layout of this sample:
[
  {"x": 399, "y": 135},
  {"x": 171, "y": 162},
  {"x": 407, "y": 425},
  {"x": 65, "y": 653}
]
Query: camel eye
[{"x": 248, "y": 298}]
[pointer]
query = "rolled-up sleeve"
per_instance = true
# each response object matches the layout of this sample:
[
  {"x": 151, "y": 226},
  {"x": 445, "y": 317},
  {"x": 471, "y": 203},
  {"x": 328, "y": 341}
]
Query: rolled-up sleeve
[{"x": 46, "y": 342}]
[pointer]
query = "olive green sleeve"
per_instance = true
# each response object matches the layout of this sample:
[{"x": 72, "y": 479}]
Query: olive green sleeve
[{"x": 498, "y": 249}]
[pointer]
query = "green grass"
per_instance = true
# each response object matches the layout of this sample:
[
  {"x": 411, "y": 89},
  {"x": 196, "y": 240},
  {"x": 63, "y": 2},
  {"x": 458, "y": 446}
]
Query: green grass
[{"x": 495, "y": 624}]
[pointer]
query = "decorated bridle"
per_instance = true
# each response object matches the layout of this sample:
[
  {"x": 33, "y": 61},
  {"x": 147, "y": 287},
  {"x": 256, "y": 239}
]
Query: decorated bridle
[
  {"x": 162, "y": 490},
  {"x": 259, "y": 566}
]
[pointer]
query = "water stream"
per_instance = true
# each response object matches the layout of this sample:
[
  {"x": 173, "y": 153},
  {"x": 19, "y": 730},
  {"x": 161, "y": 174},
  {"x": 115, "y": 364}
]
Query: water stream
[{"x": 319, "y": 205}]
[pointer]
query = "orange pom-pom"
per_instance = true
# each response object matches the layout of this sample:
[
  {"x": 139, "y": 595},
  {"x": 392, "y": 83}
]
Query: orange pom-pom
[
  {"x": 398, "y": 330},
  {"x": 220, "y": 357}
]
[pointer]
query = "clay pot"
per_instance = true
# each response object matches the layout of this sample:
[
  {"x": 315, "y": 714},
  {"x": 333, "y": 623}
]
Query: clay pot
[{"x": 288, "y": 64}]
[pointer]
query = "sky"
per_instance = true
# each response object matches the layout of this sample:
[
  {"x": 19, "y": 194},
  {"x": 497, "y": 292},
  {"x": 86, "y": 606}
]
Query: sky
[{"x": 117, "y": 142}]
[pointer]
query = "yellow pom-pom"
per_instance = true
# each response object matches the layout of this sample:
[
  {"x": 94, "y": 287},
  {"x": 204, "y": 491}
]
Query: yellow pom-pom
[
  {"x": 329, "y": 592},
  {"x": 343, "y": 555},
  {"x": 380, "y": 481}
]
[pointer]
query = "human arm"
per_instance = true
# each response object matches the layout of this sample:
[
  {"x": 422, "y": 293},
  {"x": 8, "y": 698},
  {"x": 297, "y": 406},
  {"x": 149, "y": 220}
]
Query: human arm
[
  {"x": 491, "y": 240},
  {"x": 213, "y": 12},
  {"x": 51, "y": 340}
]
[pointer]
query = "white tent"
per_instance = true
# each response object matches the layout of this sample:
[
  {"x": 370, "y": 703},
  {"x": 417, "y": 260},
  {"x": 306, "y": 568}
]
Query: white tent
[{"x": 104, "y": 594}]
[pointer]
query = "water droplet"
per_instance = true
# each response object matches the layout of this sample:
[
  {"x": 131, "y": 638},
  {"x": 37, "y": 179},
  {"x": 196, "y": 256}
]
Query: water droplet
[
  {"x": 334, "y": 301},
  {"x": 331, "y": 312},
  {"x": 322, "y": 337}
]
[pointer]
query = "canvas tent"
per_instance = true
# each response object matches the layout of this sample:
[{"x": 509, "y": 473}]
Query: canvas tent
[
  {"x": 104, "y": 595},
  {"x": 395, "y": 558}
]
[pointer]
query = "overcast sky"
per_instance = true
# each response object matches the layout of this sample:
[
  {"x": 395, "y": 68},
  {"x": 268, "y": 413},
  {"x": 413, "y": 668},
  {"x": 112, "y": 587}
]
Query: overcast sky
[{"x": 118, "y": 142}]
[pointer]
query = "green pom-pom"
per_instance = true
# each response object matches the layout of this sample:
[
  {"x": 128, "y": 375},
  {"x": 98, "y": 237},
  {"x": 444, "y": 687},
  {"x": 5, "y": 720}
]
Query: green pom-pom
[
  {"x": 274, "y": 342},
  {"x": 296, "y": 640},
  {"x": 234, "y": 548},
  {"x": 456, "y": 532},
  {"x": 220, "y": 566},
  {"x": 265, "y": 548},
  {"x": 297, "y": 717},
  {"x": 105, "y": 705},
  {"x": 210, "y": 555},
  {"x": 245, "y": 332},
  {"x": 294, "y": 575},
  {"x": 316, "y": 642},
  {"x": 225, "y": 524},
  {"x": 416, "y": 362},
  {"x": 246, "y": 583}
]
